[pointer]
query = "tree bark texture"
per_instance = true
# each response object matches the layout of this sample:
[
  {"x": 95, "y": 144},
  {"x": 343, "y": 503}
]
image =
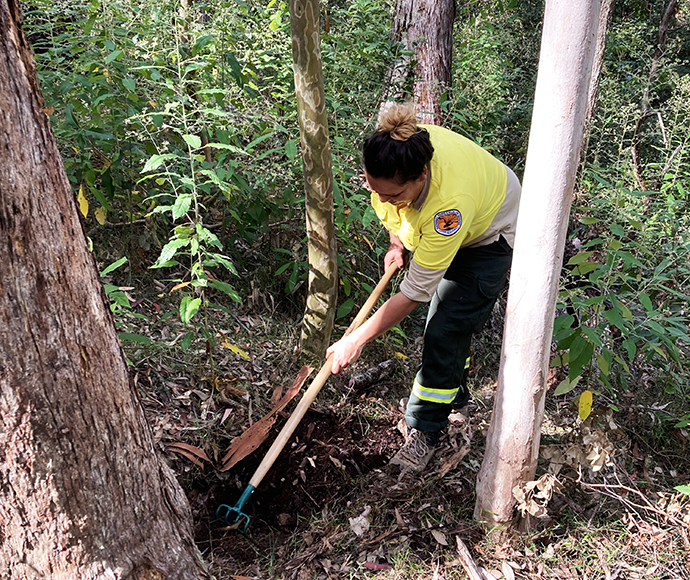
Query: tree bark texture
[
  {"x": 318, "y": 177},
  {"x": 599, "y": 51},
  {"x": 425, "y": 27},
  {"x": 565, "y": 64},
  {"x": 82, "y": 492}
]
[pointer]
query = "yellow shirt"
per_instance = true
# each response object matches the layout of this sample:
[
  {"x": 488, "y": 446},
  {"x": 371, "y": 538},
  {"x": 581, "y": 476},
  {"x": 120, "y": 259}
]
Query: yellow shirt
[{"x": 466, "y": 191}]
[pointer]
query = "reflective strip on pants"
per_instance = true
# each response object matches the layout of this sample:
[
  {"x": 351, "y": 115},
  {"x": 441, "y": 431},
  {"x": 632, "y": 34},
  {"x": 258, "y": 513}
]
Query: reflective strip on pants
[{"x": 443, "y": 396}]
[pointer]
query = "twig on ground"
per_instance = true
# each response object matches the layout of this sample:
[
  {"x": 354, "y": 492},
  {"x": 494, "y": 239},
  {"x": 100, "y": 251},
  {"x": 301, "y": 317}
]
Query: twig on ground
[{"x": 473, "y": 571}]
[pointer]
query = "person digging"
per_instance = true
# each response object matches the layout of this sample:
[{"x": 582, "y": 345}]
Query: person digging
[{"x": 454, "y": 207}]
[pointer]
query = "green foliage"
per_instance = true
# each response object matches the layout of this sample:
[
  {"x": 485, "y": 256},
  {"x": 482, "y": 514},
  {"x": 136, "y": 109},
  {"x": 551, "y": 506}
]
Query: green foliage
[{"x": 625, "y": 296}]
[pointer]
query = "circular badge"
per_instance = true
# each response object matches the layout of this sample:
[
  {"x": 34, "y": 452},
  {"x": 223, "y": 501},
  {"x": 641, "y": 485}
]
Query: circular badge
[{"x": 447, "y": 222}]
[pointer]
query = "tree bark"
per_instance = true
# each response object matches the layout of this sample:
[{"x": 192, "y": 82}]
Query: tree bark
[
  {"x": 565, "y": 65},
  {"x": 425, "y": 27},
  {"x": 82, "y": 492},
  {"x": 318, "y": 177},
  {"x": 599, "y": 51}
]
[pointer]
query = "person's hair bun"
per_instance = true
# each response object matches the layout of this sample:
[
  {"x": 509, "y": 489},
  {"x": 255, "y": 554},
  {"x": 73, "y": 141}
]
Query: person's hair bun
[{"x": 398, "y": 121}]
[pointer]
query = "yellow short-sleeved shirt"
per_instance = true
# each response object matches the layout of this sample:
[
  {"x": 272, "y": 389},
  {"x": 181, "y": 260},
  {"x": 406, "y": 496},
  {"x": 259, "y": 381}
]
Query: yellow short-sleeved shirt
[{"x": 466, "y": 191}]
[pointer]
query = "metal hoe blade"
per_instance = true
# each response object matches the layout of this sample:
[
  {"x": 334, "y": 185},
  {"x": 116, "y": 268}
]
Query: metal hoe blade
[{"x": 234, "y": 515}]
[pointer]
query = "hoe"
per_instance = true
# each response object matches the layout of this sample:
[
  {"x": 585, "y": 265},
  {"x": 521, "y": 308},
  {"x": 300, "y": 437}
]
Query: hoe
[{"x": 234, "y": 516}]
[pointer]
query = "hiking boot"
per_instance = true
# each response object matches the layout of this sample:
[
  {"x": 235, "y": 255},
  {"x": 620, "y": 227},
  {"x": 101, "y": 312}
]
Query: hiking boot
[{"x": 416, "y": 451}]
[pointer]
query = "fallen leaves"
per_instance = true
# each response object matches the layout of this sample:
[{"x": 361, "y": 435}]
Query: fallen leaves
[
  {"x": 253, "y": 437},
  {"x": 533, "y": 496}
]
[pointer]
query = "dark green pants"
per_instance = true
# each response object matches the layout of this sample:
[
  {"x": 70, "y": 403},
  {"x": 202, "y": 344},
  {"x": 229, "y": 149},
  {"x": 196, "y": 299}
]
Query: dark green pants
[{"x": 460, "y": 307}]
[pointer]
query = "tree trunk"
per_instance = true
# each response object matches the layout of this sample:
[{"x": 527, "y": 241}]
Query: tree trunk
[
  {"x": 318, "y": 177},
  {"x": 600, "y": 48},
  {"x": 565, "y": 64},
  {"x": 425, "y": 27},
  {"x": 82, "y": 492}
]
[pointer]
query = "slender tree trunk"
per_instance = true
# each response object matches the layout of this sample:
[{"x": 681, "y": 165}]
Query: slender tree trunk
[
  {"x": 565, "y": 64},
  {"x": 425, "y": 27},
  {"x": 664, "y": 25},
  {"x": 318, "y": 177},
  {"x": 82, "y": 492},
  {"x": 599, "y": 51}
]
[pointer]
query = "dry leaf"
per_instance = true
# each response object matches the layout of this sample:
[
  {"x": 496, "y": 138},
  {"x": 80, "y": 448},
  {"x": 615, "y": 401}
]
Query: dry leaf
[
  {"x": 360, "y": 525},
  {"x": 440, "y": 537},
  {"x": 256, "y": 434},
  {"x": 83, "y": 203},
  {"x": 507, "y": 570},
  {"x": 100, "y": 214}
]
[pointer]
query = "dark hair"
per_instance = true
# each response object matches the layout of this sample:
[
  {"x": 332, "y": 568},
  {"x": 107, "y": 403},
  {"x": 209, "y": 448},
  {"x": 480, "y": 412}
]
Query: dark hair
[{"x": 398, "y": 149}]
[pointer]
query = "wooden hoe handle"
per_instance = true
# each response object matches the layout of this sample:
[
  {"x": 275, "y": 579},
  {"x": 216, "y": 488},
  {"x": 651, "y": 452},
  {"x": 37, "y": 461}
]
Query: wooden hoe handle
[{"x": 317, "y": 383}]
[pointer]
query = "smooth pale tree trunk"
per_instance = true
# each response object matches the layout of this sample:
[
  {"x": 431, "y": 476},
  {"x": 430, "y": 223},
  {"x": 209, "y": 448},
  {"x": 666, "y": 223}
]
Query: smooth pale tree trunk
[
  {"x": 425, "y": 27},
  {"x": 560, "y": 103},
  {"x": 318, "y": 177},
  {"x": 82, "y": 492}
]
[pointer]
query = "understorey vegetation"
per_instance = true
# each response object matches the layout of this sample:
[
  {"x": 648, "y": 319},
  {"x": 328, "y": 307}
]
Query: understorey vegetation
[{"x": 177, "y": 126}]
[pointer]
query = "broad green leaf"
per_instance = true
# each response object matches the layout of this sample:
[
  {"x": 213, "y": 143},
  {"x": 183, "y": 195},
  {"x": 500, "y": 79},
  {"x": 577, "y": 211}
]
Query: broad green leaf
[
  {"x": 565, "y": 386},
  {"x": 625, "y": 311},
  {"x": 227, "y": 146},
  {"x": 187, "y": 340},
  {"x": 225, "y": 261},
  {"x": 579, "y": 258},
  {"x": 188, "y": 308},
  {"x": 631, "y": 348},
  {"x": 129, "y": 84},
  {"x": 585, "y": 268},
  {"x": 581, "y": 352},
  {"x": 155, "y": 161},
  {"x": 345, "y": 308},
  {"x": 593, "y": 335},
  {"x": 182, "y": 205},
  {"x": 617, "y": 230},
  {"x": 168, "y": 251},
  {"x": 194, "y": 141},
  {"x": 589, "y": 220},
  {"x": 226, "y": 288},
  {"x": 656, "y": 327},
  {"x": 291, "y": 149},
  {"x": 130, "y": 337},
  {"x": 615, "y": 318},
  {"x": 683, "y": 489},
  {"x": 603, "y": 365},
  {"x": 646, "y": 302},
  {"x": 616, "y": 245},
  {"x": 113, "y": 266},
  {"x": 112, "y": 56},
  {"x": 585, "y": 404}
]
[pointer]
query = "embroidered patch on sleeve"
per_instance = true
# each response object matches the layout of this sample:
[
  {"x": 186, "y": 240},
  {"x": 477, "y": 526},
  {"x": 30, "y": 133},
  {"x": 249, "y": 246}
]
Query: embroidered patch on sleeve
[{"x": 447, "y": 222}]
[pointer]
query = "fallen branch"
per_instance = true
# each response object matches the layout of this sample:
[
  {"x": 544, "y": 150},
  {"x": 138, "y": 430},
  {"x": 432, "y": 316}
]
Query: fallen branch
[{"x": 473, "y": 571}]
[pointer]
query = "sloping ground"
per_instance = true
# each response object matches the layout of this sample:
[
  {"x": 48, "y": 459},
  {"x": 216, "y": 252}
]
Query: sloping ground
[{"x": 332, "y": 507}]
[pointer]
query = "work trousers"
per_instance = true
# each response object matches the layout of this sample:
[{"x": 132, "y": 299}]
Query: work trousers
[{"x": 459, "y": 308}]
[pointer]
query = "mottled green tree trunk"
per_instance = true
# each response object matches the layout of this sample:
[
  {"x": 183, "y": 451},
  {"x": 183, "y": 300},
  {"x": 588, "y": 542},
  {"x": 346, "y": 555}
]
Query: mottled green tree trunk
[{"x": 318, "y": 177}]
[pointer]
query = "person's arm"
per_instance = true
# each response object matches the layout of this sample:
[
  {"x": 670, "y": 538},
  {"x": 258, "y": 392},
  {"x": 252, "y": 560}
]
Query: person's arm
[{"x": 348, "y": 348}]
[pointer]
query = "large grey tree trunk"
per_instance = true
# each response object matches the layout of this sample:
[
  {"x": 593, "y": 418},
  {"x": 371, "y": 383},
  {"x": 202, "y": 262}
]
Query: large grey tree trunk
[
  {"x": 82, "y": 492},
  {"x": 565, "y": 64},
  {"x": 425, "y": 27},
  {"x": 318, "y": 177}
]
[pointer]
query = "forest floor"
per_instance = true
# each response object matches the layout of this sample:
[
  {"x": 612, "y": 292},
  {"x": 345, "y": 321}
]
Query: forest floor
[{"x": 331, "y": 506}]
